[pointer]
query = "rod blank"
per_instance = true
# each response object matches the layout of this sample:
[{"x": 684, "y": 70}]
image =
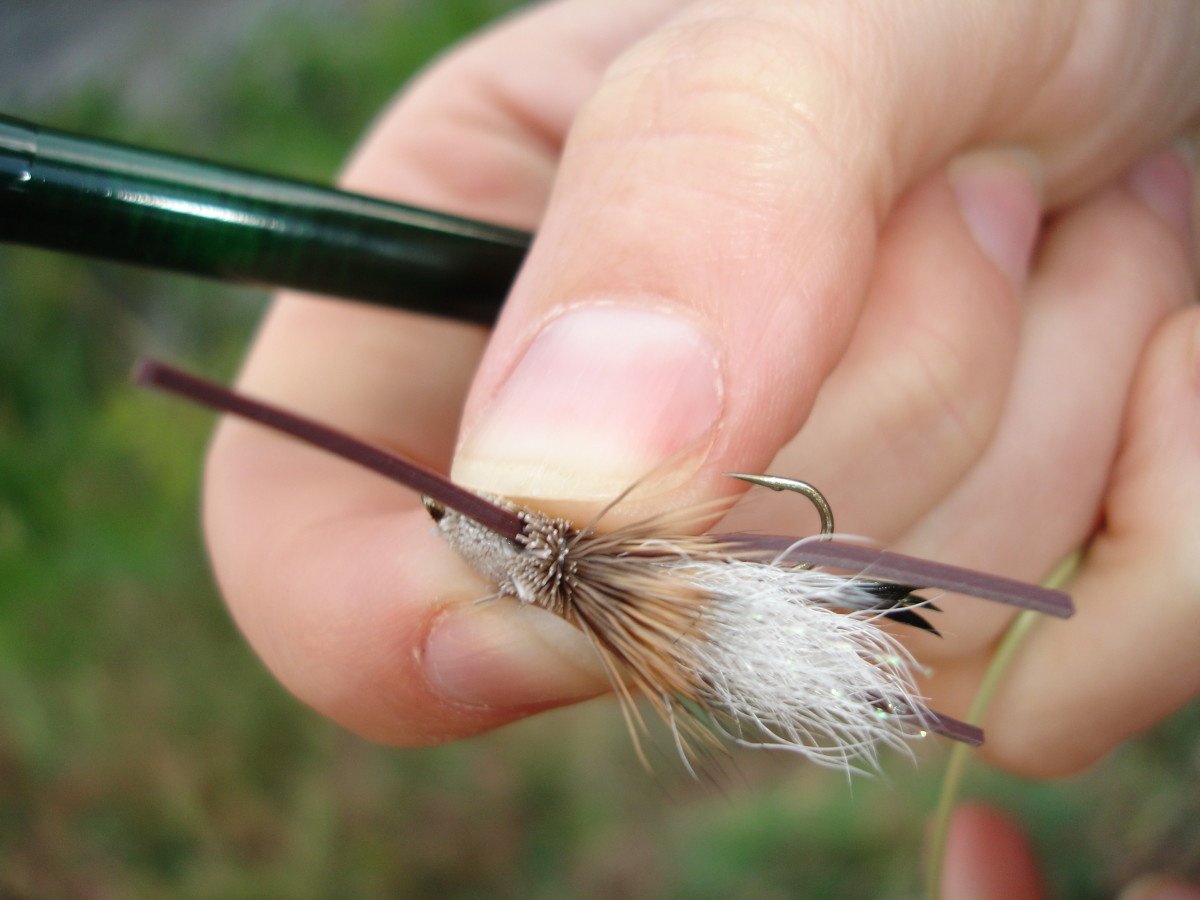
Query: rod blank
[{"x": 96, "y": 198}]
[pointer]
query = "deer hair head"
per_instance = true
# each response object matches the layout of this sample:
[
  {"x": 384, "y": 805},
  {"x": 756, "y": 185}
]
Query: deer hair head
[{"x": 763, "y": 640}]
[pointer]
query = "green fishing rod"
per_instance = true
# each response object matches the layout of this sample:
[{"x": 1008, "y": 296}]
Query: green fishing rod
[{"x": 79, "y": 195}]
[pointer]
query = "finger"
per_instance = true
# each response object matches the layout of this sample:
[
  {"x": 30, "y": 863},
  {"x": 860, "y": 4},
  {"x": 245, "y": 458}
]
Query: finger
[
  {"x": 334, "y": 577},
  {"x": 480, "y": 133},
  {"x": 1131, "y": 655},
  {"x": 988, "y": 856},
  {"x": 475, "y": 135},
  {"x": 917, "y": 397},
  {"x": 725, "y": 213},
  {"x": 1110, "y": 270}
]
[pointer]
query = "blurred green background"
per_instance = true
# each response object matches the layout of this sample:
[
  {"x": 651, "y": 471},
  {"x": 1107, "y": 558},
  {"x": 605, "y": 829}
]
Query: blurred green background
[{"x": 143, "y": 749}]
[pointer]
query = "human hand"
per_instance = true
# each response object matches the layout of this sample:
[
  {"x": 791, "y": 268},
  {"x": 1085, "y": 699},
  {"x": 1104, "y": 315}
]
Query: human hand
[{"x": 771, "y": 237}]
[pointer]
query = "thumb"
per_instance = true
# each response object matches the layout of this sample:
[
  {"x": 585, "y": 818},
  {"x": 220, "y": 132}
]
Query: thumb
[{"x": 710, "y": 237}]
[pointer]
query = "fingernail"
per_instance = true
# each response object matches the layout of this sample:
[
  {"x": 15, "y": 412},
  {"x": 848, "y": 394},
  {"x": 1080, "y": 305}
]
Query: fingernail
[
  {"x": 1163, "y": 181},
  {"x": 999, "y": 195},
  {"x": 602, "y": 396},
  {"x": 506, "y": 656},
  {"x": 1159, "y": 887}
]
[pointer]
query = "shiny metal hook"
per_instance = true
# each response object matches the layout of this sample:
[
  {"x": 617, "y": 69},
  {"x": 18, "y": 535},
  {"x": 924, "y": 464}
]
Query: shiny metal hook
[
  {"x": 436, "y": 510},
  {"x": 779, "y": 483}
]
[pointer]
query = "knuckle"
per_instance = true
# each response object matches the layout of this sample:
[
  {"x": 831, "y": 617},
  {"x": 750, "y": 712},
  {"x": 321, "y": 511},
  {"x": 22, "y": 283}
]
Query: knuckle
[
  {"x": 935, "y": 382},
  {"x": 741, "y": 83}
]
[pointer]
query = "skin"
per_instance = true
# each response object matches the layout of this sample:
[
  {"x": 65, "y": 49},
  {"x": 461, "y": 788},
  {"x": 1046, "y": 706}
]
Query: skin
[
  {"x": 935, "y": 258},
  {"x": 988, "y": 857}
]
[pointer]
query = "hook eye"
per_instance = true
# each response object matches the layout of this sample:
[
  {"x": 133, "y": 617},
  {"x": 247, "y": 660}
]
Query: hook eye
[
  {"x": 436, "y": 510},
  {"x": 779, "y": 483}
]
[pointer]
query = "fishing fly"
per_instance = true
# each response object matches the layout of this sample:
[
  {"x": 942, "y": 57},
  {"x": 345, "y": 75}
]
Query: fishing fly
[{"x": 759, "y": 640}]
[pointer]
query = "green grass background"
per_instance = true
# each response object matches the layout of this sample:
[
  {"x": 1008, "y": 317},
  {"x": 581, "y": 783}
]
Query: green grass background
[{"x": 145, "y": 752}]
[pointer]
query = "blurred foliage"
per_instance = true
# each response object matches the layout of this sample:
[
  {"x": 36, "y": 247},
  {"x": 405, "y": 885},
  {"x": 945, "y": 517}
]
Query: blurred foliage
[{"x": 144, "y": 751}]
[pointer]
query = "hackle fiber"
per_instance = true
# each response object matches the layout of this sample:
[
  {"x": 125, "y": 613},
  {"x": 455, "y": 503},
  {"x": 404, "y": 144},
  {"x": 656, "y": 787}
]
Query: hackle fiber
[{"x": 765, "y": 654}]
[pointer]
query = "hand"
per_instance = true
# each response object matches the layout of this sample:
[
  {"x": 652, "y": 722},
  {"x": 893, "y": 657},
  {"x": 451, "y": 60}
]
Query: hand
[{"x": 795, "y": 238}]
